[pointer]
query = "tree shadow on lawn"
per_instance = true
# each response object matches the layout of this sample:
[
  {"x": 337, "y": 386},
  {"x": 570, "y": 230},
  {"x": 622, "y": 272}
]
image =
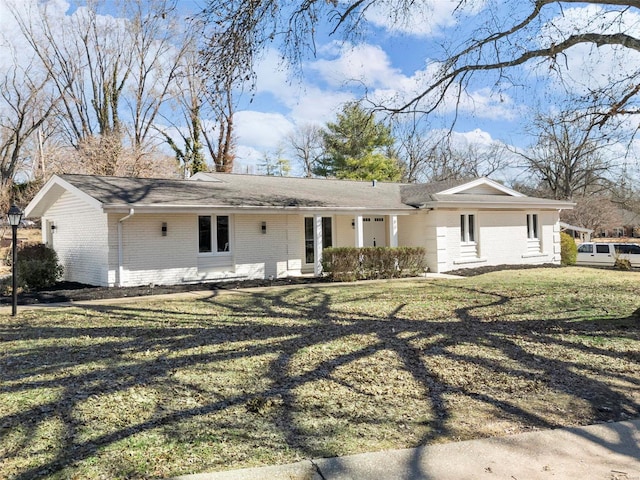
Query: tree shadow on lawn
[{"x": 298, "y": 371}]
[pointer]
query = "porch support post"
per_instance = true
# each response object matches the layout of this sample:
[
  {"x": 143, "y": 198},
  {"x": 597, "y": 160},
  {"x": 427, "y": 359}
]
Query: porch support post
[
  {"x": 317, "y": 253},
  {"x": 393, "y": 230},
  {"x": 359, "y": 225}
]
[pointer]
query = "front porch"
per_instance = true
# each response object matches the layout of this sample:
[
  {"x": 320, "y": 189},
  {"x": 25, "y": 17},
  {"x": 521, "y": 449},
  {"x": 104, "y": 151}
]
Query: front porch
[{"x": 364, "y": 230}]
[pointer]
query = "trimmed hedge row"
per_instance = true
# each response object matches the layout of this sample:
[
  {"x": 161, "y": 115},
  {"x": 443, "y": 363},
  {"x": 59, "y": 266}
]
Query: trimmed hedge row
[{"x": 348, "y": 264}]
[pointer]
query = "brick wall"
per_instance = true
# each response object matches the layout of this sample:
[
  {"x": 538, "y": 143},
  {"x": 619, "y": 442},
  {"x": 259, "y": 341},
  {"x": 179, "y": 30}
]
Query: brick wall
[
  {"x": 79, "y": 238},
  {"x": 501, "y": 239},
  {"x": 148, "y": 256}
]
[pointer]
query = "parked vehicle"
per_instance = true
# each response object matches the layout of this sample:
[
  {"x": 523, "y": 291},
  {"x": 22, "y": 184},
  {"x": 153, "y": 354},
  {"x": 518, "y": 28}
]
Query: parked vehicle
[{"x": 605, "y": 254}]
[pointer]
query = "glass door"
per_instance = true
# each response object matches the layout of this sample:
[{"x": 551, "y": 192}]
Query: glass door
[{"x": 309, "y": 237}]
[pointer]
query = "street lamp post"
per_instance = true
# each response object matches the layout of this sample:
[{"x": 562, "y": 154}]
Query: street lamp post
[{"x": 15, "y": 217}]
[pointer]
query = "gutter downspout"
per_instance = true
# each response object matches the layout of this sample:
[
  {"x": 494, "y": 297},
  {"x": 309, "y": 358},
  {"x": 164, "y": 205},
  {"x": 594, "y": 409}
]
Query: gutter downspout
[{"x": 120, "y": 248}]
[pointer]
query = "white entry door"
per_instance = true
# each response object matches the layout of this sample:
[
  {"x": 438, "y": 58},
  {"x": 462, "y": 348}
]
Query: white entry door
[{"x": 374, "y": 231}]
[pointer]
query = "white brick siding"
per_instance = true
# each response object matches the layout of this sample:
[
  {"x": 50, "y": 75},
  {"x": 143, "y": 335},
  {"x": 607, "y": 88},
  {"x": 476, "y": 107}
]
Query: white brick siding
[
  {"x": 147, "y": 256},
  {"x": 150, "y": 258},
  {"x": 87, "y": 243},
  {"x": 501, "y": 238},
  {"x": 258, "y": 254},
  {"x": 79, "y": 239},
  {"x": 345, "y": 233}
]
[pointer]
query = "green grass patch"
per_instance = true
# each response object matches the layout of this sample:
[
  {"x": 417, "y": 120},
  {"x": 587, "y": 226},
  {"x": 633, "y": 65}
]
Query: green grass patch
[{"x": 161, "y": 388}]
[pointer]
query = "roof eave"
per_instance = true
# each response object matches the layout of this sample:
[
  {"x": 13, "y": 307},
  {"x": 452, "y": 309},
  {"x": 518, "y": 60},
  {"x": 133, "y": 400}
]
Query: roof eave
[
  {"x": 249, "y": 209},
  {"x": 51, "y": 191},
  {"x": 498, "y": 205}
]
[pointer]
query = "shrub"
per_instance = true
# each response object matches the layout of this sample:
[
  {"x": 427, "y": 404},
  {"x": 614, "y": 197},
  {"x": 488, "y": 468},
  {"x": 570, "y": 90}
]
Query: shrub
[
  {"x": 568, "y": 249},
  {"x": 347, "y": 264},
  {"x": 622, "y": 264},
  {"x": 411, "y": 261},
  {"x": 341, "y": 263},
  {"x": 37, "y": 267},
  {"x": 375, "y": 262}
]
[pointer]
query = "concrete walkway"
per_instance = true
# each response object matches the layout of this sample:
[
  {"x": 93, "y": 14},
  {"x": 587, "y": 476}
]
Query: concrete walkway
[{"x": 608, "y": 451}]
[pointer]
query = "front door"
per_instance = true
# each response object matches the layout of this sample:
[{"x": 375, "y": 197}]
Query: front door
[
  {"x": 309, "y": 238},
  {"x": 374, "y": 231}
]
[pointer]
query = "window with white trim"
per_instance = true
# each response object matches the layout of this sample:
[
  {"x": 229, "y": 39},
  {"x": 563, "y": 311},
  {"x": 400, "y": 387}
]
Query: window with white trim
[
  {"x": 534, "y": 244},
  {"x": 532, "y": 226},
  {"x": 213, "y": 234},
  {"x": 468, "y": 238},
  {"x": 467, "y": 228}
]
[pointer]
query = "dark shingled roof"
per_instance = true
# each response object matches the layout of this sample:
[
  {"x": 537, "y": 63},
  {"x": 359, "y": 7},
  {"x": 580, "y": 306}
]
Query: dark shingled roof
[
  {"x": 253, "y": 191},
  {"x": 417, "y": 194},
  {"x": 228, "y": 190}
]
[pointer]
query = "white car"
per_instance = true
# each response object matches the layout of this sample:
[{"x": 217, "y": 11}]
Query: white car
[{"x": 605, "y": 254}]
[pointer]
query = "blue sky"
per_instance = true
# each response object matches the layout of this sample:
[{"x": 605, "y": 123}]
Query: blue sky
[
  {"x": 385, "y": 64},
  {"x": 395, "y": 61}
]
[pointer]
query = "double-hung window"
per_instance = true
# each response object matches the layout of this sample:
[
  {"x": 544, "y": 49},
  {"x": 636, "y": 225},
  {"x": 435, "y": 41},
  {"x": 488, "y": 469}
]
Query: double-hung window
[{"x": 213, "y": 234}]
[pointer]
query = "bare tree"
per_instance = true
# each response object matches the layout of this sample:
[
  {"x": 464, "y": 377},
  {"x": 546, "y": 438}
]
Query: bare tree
[
  {"x": 415, "y": 149},
  {"x": 570, "y": 157},
  {"x": 227, "y": 63},
  {"x": 189, "y": 152},
  {"x": 305, "y": 142},
  {"x": 24, "y": 107},
  {"x": 275, "y": 164},
  {"x": 158, "y": 47},
  {"x": 432, "y": 155},
  {"x": 594, "y": 212},
  {"x": 509, "y": 39},
  {"x": 206, "y": 118},
  {"x": 219, "y": 134},
  {"x": 100, "y": 65},
  {"x": 509, "y": 34},
  {"x": 89, "y": 62},
  {"x": 468, "y": 160}
]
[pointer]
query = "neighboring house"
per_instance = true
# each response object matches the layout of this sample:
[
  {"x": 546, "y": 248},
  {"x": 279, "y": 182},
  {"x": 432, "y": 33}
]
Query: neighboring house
[
  {"x": 629, "y": 226},
  {"x": 113, "y": 231},
  {"x": 578, "y": 233}
]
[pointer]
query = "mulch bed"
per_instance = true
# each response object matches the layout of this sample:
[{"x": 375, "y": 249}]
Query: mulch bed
[
  {"x": 472, "y": 272},
  {"x": 72, "y": 291}
]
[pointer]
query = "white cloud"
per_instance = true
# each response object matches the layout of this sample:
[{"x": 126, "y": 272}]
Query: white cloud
[
  {"x": 260, "y": 130},
  {"x": 275, "y": 77},
  {"x": 481, "y": 102},
  {"x": 367, "y": 68},
  {"x": 299, "y": 98},
  {"x": 364, "y": 64},
  {"x": 421, "y": 18},
  {"x": 319, "y": 106},
  {"x": 486, "y": 103},
  {"x": 473, "y": 137}
]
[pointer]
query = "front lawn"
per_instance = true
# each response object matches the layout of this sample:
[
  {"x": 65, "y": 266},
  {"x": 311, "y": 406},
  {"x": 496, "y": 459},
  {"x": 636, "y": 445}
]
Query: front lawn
[{"x": 236, "y": 379}]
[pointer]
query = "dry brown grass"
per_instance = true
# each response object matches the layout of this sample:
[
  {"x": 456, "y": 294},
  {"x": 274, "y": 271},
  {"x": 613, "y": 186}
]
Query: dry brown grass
[{"x": 161, "y": 388}]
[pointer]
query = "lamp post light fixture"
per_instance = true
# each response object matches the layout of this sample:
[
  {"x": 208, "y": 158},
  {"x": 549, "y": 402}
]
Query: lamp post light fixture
[{"x": 15, "y": 217}]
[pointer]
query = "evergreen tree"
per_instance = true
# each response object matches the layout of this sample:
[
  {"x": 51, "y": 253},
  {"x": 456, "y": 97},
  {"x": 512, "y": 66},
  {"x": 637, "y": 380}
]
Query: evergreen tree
[{"x": 356, "y": 146}]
